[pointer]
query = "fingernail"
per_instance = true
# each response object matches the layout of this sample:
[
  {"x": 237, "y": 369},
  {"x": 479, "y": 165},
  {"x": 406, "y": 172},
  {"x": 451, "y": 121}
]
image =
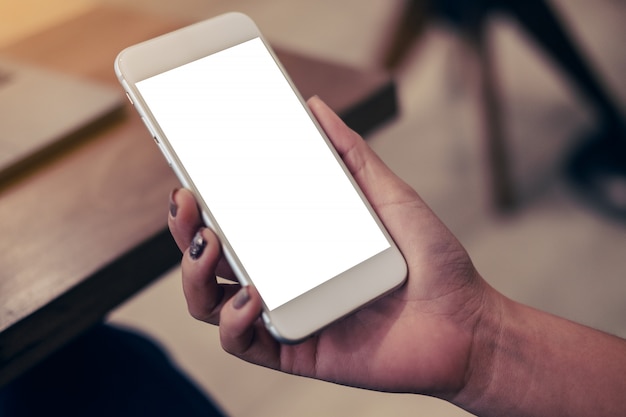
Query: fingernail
[
  {"x": 198, "y": 243},
  {"x": 241, "y": 298},
  {"x": 173, "y": 205}
]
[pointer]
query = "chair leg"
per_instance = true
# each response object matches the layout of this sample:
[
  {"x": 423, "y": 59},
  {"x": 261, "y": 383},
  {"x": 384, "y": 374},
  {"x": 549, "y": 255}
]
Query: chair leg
[
  {"x": 503, "y": 189},
  {"x": 542, "y": 22},
  {"x": 413, "y": 21},
  {"x": 597, "y": 168},
  {"x": 469, "y": 17}
]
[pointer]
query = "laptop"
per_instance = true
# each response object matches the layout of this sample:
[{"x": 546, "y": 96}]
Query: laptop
[{"x": 42, "y": 109}]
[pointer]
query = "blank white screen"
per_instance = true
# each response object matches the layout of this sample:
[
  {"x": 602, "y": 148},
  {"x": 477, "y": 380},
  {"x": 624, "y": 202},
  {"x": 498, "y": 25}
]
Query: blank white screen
[{"x": 270, "y": 181}]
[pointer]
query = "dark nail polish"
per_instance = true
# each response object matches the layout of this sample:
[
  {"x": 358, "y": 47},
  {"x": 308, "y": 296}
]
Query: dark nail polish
[
  {"x": 198, "y": 243},
  {"x": 241, "y": 298},
  {"x": 173, "y": 205}
]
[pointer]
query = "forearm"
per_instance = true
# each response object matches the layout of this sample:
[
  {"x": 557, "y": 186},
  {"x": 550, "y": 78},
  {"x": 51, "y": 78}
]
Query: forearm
[{"x": 529, "y": 363}]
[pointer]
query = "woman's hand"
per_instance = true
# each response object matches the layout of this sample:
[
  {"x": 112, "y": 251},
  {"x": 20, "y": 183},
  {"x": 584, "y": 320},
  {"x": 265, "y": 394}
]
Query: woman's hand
[{"x": 417, "y": 339}]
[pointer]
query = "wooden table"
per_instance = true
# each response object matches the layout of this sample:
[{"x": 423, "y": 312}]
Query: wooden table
[{"x": 86, "y": 228}]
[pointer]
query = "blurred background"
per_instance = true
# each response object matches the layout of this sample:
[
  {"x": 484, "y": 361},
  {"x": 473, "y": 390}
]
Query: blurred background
[{"x": 552, "y": 250}]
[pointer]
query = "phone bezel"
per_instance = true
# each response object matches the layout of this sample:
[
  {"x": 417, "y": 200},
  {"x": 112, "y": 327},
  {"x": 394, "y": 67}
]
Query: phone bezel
[{"x": 302, "y": 316}]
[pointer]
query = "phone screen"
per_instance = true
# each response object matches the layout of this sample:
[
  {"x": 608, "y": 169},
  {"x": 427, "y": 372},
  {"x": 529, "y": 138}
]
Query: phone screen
[{"x": 273, "y": 186}]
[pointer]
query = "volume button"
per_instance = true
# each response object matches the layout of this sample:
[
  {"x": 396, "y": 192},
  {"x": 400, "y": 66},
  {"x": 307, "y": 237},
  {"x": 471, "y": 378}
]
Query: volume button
[
  {"x": 149, "y": 127},
  {"x": 154, "y": 136},
  {"x": 166, "y": 155}
]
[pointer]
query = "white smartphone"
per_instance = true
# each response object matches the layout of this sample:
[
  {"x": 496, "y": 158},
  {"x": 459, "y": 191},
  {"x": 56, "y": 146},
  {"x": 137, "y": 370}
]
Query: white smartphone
[{"x": 291, "y": 219}]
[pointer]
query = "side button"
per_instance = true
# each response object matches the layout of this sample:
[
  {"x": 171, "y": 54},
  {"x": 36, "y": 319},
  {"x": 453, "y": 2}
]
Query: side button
[
  {"x": 167, "y": 158},
  {"x": 149, "y": 127}
]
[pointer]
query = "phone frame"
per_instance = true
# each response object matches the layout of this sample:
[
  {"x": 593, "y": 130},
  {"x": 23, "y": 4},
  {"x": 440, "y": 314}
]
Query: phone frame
[{"x": 302, "y": 316}]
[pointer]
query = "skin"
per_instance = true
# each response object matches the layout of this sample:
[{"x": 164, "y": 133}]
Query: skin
[{"x": 445, "y": 333}]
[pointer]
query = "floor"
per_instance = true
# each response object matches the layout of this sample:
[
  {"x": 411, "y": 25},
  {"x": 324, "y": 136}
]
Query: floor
[{"x": 552, "y": 253}]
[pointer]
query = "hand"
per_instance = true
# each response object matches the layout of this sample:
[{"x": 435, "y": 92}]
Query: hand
[{"x": 417, "y": 339}]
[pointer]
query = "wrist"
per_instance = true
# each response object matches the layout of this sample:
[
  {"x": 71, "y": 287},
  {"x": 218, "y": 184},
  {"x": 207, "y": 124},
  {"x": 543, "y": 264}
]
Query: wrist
[{"x": 487, "y": 335}]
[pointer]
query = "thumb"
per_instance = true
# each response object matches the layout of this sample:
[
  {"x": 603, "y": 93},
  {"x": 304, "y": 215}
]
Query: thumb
[
  {"x": 379, "y": 184},
  {"x": 350, "y": 146}
]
